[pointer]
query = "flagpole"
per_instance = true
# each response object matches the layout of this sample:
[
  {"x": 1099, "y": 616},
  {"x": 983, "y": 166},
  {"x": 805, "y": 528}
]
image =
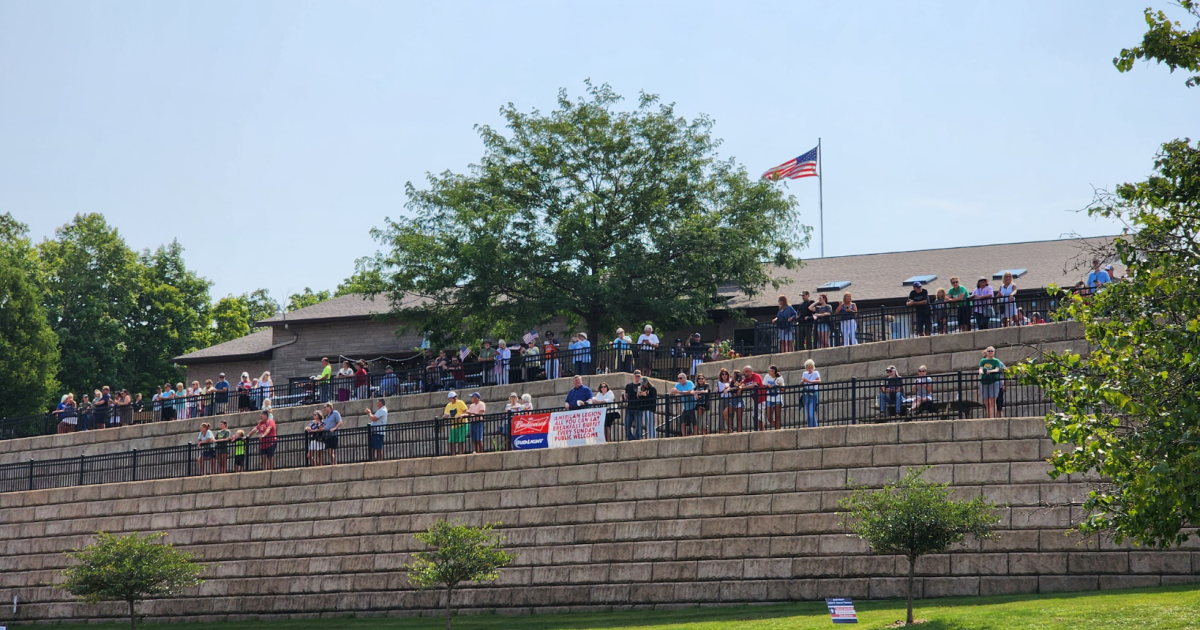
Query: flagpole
[{"x": 821, "y": 196}]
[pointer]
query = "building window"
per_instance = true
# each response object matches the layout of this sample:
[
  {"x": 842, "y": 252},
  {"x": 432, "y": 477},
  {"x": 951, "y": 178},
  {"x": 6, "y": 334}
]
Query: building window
[{"x": 1016, "y": 273}]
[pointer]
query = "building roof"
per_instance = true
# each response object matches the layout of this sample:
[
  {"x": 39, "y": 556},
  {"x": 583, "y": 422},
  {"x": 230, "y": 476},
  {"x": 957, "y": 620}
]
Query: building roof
[
  {"x": 346, "y": 307},
  {"x": 256, "y": 345},
  {"x": 881, "y": 276}
]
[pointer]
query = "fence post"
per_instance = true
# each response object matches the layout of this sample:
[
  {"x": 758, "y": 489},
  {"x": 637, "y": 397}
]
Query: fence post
[
  {"x": 960, "y": 395},
  {"x": 189, "y": 458},
  {"x": 134, "y": 465},
  {"x": 853, "y": 400},
  {"x": 82, "y": 462},
  {"x": 31, "y": 473},
  {"x": 885, "y": 331}
]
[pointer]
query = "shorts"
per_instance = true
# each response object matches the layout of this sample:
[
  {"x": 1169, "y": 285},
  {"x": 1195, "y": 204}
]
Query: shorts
[
  {"x": 785, "y": 334},
  {"x": 477, "y": 431},
  {"x": 239, "y": 460},
  {"x": 375, "y": 440},
  {"x": 458, "y": 434},
  {"x": 611, "y": 418},
  {"x": 773, "y": 402},
  {"x": 331, "y": 441},
  {"x": 269, "y": 451},
  {"x": 737, "y": 403},
  {"x": 989, "y": 390},
  {"x": 222, "y": 448},
  {"x": 688, "y": 417},
  {"x": 316, "y": 445},
  {"x": 208, "y": 453}
]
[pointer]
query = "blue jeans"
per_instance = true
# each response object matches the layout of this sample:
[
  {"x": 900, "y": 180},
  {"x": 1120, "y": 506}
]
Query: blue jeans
[
  {"x": 633, "y": 424},
  {"x": 883, "y": 405},
  {"x": 810, "y": 408}
]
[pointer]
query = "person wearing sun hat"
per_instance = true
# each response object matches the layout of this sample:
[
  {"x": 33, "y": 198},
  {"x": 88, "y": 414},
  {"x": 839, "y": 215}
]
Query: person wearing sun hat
[{"x": 456, "y": 412}]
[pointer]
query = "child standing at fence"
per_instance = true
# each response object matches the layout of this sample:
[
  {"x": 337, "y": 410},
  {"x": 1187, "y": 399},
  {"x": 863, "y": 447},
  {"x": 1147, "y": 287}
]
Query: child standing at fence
[{"x": 239, "y": 451}]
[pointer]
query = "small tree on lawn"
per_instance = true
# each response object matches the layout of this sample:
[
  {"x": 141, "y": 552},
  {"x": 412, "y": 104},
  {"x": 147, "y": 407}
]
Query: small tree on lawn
[
  {"x": 913, "y": 517},
  {"x": 129, "y": 569},
  {"x": 462, "y": 553}
]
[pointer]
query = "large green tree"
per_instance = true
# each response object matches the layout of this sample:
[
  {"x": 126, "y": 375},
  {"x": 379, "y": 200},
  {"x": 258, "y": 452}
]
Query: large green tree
[
  {"x": 29, "y": 347},
  {"x": 596, "y": 213},
  {"x": 92, "y": 285},
  {"x": 172, "y": 317},
  {"x": 234, "y": 316},
  {"x": 1132, "y": 407}
]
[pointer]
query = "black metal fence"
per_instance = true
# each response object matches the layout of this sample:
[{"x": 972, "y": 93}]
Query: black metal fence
[
  {"x": 956, "y": 395},
  {"x": 436, "y": 376},
  {"x": 900, "y": 322}
]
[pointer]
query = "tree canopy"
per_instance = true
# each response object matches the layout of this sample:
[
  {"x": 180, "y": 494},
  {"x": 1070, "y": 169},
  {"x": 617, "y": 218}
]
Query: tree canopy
[
  {"x": 1131, "y": 409},
  {"x": 592, "y": 212},
  {"x": 28, "y": 345},
  {"x": 462, "y": 553},
  {"x": 913, "y": 517},
  {"x": 129, "y": 569},
  {"x": 1167, "y": 42}
]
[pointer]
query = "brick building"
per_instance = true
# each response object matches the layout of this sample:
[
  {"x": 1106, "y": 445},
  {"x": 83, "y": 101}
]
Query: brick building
[{"x": 292, "y": 344}]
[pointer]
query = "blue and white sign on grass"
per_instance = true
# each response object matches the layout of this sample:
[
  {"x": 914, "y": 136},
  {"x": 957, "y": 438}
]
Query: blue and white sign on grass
[{"x": 841, "y": 610}]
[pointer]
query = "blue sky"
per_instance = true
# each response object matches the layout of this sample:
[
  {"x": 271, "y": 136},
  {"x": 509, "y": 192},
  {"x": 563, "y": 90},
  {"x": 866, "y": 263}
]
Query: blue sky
[{"x": 269, "y": 137}]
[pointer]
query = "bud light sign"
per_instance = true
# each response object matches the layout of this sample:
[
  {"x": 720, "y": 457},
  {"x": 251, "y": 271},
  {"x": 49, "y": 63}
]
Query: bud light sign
[
  {"x": 530, "y": 431},
  {"x": 558, "y": 429}
]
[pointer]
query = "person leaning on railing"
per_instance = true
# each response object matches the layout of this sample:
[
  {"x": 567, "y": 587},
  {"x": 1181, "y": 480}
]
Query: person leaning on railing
[
  {"x": 647, "y": 345},
  {"x": 941, "y": 311},
  {"x": 623, "y": 348},
  {"x": 475, "y": 413},
  {"x": 918, "y": 299},
  {"x": 981, "y": 297},
  {"x": 639, "y": 397},
  {"x": 822, "y": 316},
  {"x": 604, "y": 396},
  {"x": 959, "y": 296},
  {"x": 922, "y": 400},
  {"x": 991, "y": 378}
]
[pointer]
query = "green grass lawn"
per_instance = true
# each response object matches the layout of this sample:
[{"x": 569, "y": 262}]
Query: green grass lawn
[{"x": 1174, "y": 608}]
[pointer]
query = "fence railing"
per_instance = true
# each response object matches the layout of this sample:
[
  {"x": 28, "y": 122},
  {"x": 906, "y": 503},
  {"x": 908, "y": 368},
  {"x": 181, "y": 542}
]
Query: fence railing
[
  {"x": 898, "y": 322},
  {"x": 857, "y": 401}
]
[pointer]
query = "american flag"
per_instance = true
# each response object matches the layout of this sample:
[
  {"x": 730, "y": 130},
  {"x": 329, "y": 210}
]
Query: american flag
[
  {"x": 530, "y": 337},
  {"x": 803, "y": 166},
  {"x": 463, "y": 352}
]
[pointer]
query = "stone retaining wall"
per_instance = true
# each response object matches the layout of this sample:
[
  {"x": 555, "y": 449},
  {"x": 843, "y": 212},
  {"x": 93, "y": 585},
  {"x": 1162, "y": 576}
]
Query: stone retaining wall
[{"x": 710, "y": 520}]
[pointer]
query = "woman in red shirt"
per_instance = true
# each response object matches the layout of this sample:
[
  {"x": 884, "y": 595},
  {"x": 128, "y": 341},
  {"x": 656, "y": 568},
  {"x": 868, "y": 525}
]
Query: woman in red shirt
[{"x": 362, "y": 381}]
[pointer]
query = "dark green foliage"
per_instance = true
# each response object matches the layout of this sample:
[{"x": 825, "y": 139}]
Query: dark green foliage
[
  {"x": 27, "y": 345},
  {"x": 129, "y": 569},
  {"x": 913, "y": 517},
  {"x": 588, "y": 212},
  {"x": 92, "y": 282}
]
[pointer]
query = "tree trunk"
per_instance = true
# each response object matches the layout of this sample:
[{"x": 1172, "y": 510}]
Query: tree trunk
[
  {"x": 912, "y": 567},
  {"x": 450, "y": 593},
  {"x": 132, "y": 615}
]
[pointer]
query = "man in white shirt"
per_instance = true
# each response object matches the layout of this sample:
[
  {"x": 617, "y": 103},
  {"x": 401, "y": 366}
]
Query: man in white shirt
[
  {"x": 647, "y": 345},
  {"x": 378, "y": 424}
]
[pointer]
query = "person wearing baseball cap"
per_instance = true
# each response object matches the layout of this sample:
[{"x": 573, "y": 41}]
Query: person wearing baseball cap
[
  {"x": 918, "y": 300},
  {"x": 476, "y": 411},
  {"x": 696, "y": 350},
  {"x": 456, "y": 412},
  {"x": 891, "y": 395}
]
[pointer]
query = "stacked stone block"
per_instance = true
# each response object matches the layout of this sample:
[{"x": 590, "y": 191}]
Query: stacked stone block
[{"x": 710, "y": 520}]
